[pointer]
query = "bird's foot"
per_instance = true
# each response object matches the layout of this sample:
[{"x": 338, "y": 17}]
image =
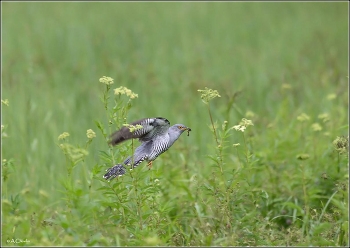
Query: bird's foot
[{"x": 149, "y": 165}]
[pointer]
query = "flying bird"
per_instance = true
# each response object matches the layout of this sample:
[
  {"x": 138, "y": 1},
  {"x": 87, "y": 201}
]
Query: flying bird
[{"x": 156, "y": 136}]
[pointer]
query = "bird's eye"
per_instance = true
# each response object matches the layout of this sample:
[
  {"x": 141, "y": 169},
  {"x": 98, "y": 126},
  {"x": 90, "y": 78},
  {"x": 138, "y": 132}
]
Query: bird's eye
[{"x": 180, "y": 127}]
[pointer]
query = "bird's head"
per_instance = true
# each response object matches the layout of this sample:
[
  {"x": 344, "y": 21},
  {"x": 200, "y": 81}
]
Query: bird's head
[{"x": 180, "y": 128}]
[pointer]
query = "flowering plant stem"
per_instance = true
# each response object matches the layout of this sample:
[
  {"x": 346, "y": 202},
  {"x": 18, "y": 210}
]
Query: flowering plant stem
[
  {"x": 246, "y": 149},
  {"x": 216, "y": 139}
]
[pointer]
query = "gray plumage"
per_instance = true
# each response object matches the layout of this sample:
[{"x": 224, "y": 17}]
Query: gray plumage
[{"x": 156, "y": 136}]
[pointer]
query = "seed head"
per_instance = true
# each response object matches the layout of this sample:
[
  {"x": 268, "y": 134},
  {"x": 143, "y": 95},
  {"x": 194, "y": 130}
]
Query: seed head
[{"x": 341, "y": 144}]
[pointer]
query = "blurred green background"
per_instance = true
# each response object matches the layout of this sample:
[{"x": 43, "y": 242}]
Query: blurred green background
[
  {"x": 54, "y": 53},
  {"x": 283, "y": 59}
]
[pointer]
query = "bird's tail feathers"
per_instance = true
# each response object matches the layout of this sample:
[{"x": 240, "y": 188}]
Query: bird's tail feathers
[
  {"x": 119, "y": 169},
  {"x": 114, "y": 171}
]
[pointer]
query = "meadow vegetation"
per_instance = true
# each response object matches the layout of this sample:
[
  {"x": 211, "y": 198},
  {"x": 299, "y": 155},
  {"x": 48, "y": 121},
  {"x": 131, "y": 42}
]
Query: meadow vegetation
[{"x": 263, "y": 86}]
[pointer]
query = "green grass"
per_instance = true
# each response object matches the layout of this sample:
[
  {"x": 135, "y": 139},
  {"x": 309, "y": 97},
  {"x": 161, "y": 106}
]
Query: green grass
[{"x": 285, "y": 184}]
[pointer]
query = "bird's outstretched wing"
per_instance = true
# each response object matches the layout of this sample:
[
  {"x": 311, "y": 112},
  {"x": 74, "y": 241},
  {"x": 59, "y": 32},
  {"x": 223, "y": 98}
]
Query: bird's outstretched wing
[{"x": 150, "y": 128}]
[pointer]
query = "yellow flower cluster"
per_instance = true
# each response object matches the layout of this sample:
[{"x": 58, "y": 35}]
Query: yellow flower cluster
[
  {"x": 73, "y": 152},
  {"x": 106, "y": 80},
  {"x": 6, "y": 102},
  {"x": 249, "y": 114},
  {"x": 303, "y": 117},
  {"x": 316, "y": 127},
  {"x": 133, "y": 128},
  {"x": 208, "y": 94},
  {"x": 224, "y": 125},
  {"x": 324, "y": 117},
  {"x": 331, "y": 96},
  {"x": 125, "y": 91},
  {"x": 63, "y": 136},
  {"x": 90, "y": 134},
  {"x": 242, "y": 126},
  {"x": 286, "y": 86}
]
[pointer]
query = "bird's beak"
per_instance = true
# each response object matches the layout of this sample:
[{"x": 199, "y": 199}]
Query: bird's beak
[{"x": 188, "y": 131}]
